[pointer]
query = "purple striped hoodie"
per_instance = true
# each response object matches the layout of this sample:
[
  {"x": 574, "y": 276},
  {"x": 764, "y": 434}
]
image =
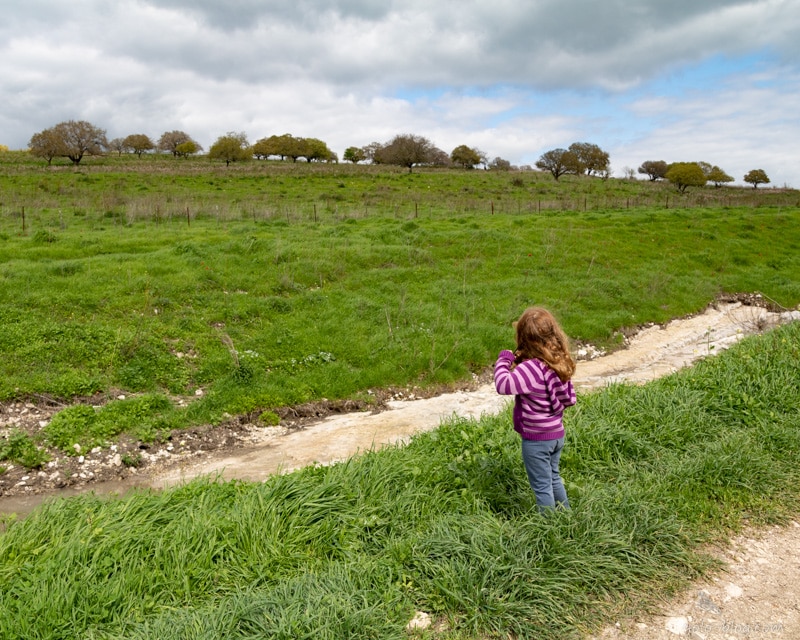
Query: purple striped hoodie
[{"x": 540, "y": 396}]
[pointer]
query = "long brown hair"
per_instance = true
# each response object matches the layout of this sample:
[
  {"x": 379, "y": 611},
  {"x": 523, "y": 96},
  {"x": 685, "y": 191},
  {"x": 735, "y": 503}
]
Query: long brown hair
[{"x": 540, "y": 336}]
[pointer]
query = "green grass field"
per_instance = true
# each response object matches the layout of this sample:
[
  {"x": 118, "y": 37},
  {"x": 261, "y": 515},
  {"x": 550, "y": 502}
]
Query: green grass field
[
  {"x": 287, "y": 283},
  {"x": 272, "y": 284}
]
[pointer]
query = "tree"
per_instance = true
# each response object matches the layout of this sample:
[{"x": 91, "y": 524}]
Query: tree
[
  {"x": 406, "y": 150},
  {"x": 590, "y": 158},
  {"x": 354, "y": 155},
  {"x": 718, "y": 176},
  {"x": 705, "y": 166},
  {"x": 46, "y": 144},
  {"x": 171, "y": 140},
  {"x": 686, "y": 174},
  {"x": 439, "y": 158},
  {"x": 73, "y": 139},
  {"x": 654, "y": 169},
  {"x": 188, "y": 148},
  {"x": 231, "y": 147},
  {"x": 291, "y": 147},
  {"x": 500, "y": 164},
  {"x": 756, "y": 177},
  {"x": 558, "y": 162},
  {"x": 465, "y": 156},
  {"x": 266, "y": 147},
  {"x": 117, "y": 144},
  {"x": 139, "y": 143},
  {"x": 316, "y": 149},
  {"x": 372, "y": 150}
]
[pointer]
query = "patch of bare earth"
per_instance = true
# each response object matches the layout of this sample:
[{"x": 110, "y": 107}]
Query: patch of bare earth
[{"x": 754, "y": 596}]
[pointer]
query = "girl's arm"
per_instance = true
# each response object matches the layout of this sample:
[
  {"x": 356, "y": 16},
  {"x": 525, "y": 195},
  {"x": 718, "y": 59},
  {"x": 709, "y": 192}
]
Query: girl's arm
[{"x": 502, "y": 373}]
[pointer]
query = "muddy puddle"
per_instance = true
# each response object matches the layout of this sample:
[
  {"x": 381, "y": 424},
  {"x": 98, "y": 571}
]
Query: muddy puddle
[{"x": 653, "y": 352}]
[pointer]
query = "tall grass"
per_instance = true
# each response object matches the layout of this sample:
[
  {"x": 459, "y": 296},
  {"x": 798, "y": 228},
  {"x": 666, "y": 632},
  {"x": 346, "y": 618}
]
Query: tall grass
[{"x": 446, "y": 524}]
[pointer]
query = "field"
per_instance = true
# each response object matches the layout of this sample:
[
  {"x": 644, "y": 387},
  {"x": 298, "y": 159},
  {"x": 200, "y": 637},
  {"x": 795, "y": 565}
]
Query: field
[{"x": 202, "y": 293}]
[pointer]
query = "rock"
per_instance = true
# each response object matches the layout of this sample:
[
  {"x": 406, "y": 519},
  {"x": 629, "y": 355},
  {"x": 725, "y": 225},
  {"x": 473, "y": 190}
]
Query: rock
[
  {"x": 678, "y": 625},
  {"x": 419, "y": 622}
]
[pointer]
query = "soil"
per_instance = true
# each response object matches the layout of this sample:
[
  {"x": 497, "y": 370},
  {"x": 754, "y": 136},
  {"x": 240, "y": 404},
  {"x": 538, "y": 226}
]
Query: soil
[{"x": 756, "y": 598}]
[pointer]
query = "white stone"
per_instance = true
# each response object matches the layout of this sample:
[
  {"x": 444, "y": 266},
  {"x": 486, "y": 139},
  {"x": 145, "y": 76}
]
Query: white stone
[
  {"x": 678, "y": 625},
  {"x": 733, "y": 591},
  {"x": 77, "y": 447},
  {"x": 81, "y": 459},
  {"x": 419, "y": 622}
]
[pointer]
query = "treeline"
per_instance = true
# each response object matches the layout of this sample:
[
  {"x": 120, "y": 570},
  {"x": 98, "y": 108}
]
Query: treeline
[{"x": 75, "y": 139}]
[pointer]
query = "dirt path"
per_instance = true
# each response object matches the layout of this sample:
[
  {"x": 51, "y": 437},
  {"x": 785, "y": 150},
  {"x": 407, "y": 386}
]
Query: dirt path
[
  {"x": 653, "y": 352},
  {"x": 756, "y": 598}
]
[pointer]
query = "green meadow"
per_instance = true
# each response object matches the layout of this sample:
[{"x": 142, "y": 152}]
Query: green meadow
[{"x": 270, "y": 284}]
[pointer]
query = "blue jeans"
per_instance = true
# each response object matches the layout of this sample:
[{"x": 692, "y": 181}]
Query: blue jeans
[{"x": 541, "y": 459}]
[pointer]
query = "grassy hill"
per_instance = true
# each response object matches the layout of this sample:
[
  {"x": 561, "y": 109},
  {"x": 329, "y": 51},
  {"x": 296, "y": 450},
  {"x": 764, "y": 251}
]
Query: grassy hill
[{"x": 268, "y": 284}]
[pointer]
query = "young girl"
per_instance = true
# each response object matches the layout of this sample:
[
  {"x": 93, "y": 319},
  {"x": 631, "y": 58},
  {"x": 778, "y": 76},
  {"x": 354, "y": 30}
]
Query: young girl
[{"x": 538, "y": 374}]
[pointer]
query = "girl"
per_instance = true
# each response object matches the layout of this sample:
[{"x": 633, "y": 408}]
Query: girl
[{"x": 538, "y": 374}]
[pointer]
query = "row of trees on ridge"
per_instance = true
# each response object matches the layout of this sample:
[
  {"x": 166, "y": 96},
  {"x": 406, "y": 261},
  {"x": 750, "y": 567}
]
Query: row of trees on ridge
[
  {"x": 74, "y": 139},
  {"x": 696, "y": 174}
]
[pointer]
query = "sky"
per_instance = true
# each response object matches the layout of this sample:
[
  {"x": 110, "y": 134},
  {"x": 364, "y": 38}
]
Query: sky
[{"x": 716, "y": 81}]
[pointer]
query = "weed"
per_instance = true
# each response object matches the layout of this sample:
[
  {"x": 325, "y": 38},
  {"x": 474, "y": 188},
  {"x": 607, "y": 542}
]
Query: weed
[
  {"x": 269, "y": 418},
  {"x": 19, "y": 447},
  {"x": 132, "y": 460}
]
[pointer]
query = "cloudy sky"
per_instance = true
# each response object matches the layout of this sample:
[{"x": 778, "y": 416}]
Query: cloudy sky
[{"x": 676, "y": 80}]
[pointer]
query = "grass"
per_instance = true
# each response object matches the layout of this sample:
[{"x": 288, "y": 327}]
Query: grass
[
  {"x": 445, "y": 524},
  {"x": 273, "y": 284}
]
